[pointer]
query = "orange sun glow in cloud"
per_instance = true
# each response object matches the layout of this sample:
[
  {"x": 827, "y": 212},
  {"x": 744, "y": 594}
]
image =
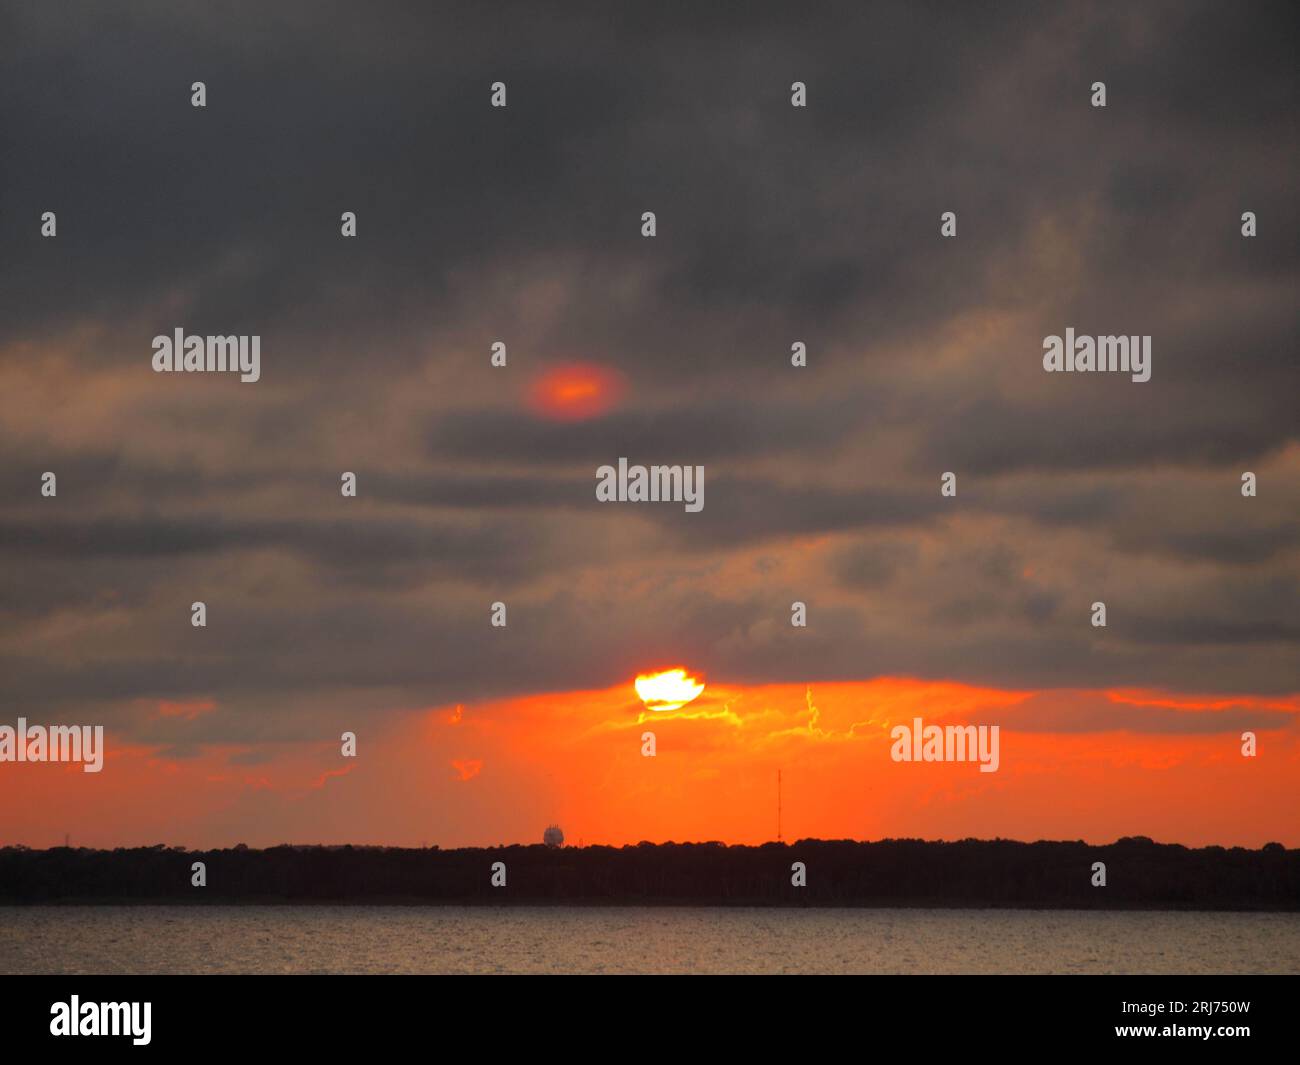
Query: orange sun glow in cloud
[
  {"x": 576, "y": 391},
  {"x": 670, "y": 690}
]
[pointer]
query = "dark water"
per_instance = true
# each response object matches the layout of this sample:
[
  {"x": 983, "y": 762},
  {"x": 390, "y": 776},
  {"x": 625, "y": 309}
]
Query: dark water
[{"x": 365, "y": 939}]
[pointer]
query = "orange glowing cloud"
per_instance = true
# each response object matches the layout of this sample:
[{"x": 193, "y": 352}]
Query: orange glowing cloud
[
  {"x": 467, "y": 768},
  {"x": 1071, "y": 766},
  {"x": 576, "y": 391},
  {"x": 325, "y": 776},
  {"x": 187, "y": 710},
  {"x": 1092, "y": 765}
]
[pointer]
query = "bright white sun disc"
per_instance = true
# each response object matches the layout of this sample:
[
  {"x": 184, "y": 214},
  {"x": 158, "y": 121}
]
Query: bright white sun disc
[{"x": 669, "y": 690}]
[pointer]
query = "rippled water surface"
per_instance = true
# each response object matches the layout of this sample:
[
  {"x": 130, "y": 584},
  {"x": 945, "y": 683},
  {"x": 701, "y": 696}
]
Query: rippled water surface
[{"x": 365, "y": 939}]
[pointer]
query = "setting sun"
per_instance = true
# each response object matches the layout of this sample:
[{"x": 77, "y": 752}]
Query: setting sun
[{"x": 669, "y": 690}]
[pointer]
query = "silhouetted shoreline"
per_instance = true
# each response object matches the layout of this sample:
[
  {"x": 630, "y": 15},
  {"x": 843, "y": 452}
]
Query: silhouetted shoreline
[{"x": 1140, "y": 875}]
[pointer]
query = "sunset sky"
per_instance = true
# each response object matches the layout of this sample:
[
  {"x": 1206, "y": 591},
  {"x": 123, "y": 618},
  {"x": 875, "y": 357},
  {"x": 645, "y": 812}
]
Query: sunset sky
[{"x": 476, "y": 483}]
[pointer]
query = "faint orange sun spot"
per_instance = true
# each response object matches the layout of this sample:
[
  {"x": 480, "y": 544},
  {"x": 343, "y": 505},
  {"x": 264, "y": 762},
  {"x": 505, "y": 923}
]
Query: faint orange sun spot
[{"x": 576, "y": 391}]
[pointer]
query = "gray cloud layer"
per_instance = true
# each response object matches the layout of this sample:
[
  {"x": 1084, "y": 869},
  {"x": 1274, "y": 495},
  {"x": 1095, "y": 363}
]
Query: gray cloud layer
[{"x": 775, "y": 225}]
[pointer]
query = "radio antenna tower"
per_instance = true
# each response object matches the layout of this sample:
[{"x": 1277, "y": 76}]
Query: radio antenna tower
[{"x": 778, "y": 806}]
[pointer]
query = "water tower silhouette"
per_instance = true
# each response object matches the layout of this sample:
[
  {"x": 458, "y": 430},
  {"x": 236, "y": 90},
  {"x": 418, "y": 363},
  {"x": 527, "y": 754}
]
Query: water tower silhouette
[{"x": 553, "y": 836}]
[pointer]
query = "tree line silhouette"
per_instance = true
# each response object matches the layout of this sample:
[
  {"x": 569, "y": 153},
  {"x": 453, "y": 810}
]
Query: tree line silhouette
[{"x": 997, "y": 873}]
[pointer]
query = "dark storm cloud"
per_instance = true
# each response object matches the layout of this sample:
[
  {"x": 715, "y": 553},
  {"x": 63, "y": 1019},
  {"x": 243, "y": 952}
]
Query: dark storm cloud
[
  {"x": 1258, "y": 607},
  {"x": 872, "y": 565},
  {"x": 377, "y": 550},
  {"x": 700, "y": 432},
  {"x": 247, "y": 200},
  {"x": 741, "y": 509},
  {"x": 1227, "y": 546},
  {"x": 775, "y": 224},
  {"x": 1123, "y": 431},
  {"x": 484, "y": 491}
]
